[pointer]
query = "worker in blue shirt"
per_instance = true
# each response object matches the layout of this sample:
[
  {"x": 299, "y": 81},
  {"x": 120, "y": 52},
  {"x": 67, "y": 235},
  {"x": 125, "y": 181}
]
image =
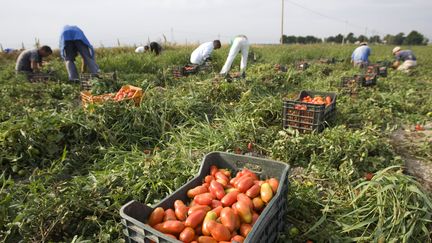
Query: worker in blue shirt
[
  {"x": 360, "y": 56},
  {"x": 72, "y": 42},
  {"x": 405, "y": 59}
]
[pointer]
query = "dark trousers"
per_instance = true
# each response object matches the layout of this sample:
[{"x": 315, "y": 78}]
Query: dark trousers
[{"x": 72, "y": 48}]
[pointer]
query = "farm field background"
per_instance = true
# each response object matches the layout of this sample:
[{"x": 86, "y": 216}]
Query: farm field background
[{"x": 67, "y": 171}]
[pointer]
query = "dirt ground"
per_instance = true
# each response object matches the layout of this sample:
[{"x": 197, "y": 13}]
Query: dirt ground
[{"x": 405, "y": 141}]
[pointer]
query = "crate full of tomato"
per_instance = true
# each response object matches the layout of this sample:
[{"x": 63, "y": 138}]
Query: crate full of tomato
[
  {"x": 310, "y": 111},
  {"x": 234, "y": 198},
  {"x": 126, "y": 93}
]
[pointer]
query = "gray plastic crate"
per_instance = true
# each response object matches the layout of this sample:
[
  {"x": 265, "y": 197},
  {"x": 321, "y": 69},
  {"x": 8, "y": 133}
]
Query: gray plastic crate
[
  {"x": 271, "y": 221},
  {"x": 313, "y": 118}
]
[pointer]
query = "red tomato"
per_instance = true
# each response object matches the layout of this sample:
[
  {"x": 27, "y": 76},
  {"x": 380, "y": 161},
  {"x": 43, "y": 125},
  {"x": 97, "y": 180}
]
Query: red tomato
[
  {"x": 187, "y": 235},
  {"x": 245, "y": 199},
  {"x": 228, "y": 219},
  {"x": 198, "y": 207},
  {"x": 266, "y": 192},
  {"x": 180, "y": 210},
  {"x": 274, "y": 183},
  {"x": 208, "y": 179},
  {"x": 238, "y": 238},
  {"x": 191, "y": 193},
  {"x": 156, "y": 216},
  {"x": 217, "y": 210},
  {"x": 229, "y": 198},
  {"x": 218, "y": 231},
  {"x": 244, "y": 212},
  {"x": 216, "y": 203},
  {"x": 196, "y": 218},
  {"x": 213, "y": 170},
  {"x": 210, "y": 216},
  {"x": 221, "y": 176},
  {"x": 258, "y": 204},
  {"x": 206, "y": 239},
  {"x": 169, "y": 215},
  {"x": 217, "y": 189},
  {"x": 204, "y": 199},
  {"x": 254, "y": 191},
  {"x": 245, "y": 229},
  {"x": 172, "y": 227},
  {"x": 245, "y": 183}
]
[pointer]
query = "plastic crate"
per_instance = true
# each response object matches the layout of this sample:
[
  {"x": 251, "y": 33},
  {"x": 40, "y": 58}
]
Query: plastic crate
[
  {"x": 302, "y": 66},
  {"x": 378, "y": 69},
  {"x": 266, "y": 229},
  {"x": 87, "y": 98},
  {"x": 137, "y": 96},
  {"x": 313, "y": 117},
  {"x": 280, "y": 68},
  {"x": 40, "y": 77},
  {"x": 185, "y": 70}
]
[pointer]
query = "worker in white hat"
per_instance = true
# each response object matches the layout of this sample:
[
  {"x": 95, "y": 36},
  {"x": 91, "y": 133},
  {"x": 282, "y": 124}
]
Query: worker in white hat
[
  {"x": 239, "y": 44},
  {"x": 360, "y": 56},
  {"x": 405, "y": 59}
]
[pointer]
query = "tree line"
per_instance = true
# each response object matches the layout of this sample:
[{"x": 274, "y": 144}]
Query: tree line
[{"x": 413, "y": 38}]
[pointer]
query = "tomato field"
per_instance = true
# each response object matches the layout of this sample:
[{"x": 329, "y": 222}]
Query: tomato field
[{"x": 66, "y": 171}]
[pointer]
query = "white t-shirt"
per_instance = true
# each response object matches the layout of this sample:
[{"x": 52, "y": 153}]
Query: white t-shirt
[
  {"x": 200, "y": 54},
  {"x": 139, "y": 49}
]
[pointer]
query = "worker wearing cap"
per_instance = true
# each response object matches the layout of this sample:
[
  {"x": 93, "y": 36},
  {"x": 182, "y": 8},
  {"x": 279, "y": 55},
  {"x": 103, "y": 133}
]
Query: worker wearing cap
[
  {"x": 204, "y": 51},
  {"x": 72, "y": 42},
  {"x": 360, "y": 56},
  {"x": 406, "y": 57},
  {"x": 239, "y": 44}
]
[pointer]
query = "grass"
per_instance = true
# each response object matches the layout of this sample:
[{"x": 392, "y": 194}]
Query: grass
[{"x": 66, "y": 172}]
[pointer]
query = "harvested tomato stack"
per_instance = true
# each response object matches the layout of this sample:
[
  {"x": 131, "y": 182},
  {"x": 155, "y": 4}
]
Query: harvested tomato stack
[
  {"x": 317, "y": 100},
  {"x": 222, "y": 209},
  {"x": 124, "y": 93}
]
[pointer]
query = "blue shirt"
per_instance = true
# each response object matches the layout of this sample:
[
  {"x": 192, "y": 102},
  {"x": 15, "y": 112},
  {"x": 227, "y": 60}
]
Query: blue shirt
[
  {"x": 405, "y": 55},
  {"x": 361, "y": 54},
  {"x": 71, "y": 33}
]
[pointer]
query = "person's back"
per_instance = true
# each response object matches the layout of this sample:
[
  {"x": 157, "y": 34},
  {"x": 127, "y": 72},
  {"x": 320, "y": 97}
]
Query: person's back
[
  {"x": 406, "y": 55},
  {"x": 155, "y": 47},
  {"x": 202, "y": 52},
  {"x": 361, "y": 54},
  {"x": 139, "y": 49},
  {"x": 23, "y": 63},
  {"x": 73, "y": 33}
]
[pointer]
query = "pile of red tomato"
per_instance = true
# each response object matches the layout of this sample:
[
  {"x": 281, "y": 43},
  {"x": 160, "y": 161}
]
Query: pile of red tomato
[
  {"x": 222, "y": 209},
  {"x": 124, "y": 94}
]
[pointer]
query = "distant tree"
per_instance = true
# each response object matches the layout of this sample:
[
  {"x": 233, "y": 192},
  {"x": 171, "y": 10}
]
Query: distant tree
[
  {"x": 362, "y": 38},
  {"x": 389, "y": 39},
  {"x": 301, "y": 40},
  {"x": 339, "y": 38},
  {"x": 350, "y": 38},
  {"x": 398, "y": 39},
  {"x": 330, "y": 39},
  {"x": 414, "y": 38},
  {"x": 375, "y": 39},
  {"x": 312, "y": 39},
  {"x": 289, "y": 39}
]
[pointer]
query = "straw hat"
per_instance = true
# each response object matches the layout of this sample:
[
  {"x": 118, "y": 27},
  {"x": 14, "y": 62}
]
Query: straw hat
[{"x": 396, "y": 49}]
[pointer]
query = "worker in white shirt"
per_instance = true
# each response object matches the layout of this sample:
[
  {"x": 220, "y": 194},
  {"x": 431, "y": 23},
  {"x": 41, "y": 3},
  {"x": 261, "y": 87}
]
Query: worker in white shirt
[
  {"x": 239, "y": 44},
  {"x": 204, "y": 51},
  {"x": 139, "y": 49}
]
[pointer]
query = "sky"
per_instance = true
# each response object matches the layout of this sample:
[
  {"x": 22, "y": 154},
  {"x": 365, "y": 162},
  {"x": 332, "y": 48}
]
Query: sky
[{"x": 193, "y": 21}]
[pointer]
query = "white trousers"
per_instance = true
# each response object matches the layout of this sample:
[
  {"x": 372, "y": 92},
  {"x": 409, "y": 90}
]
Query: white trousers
[
  {"x": 240, "y": 44},
  {"x": 408, "y": 64}
]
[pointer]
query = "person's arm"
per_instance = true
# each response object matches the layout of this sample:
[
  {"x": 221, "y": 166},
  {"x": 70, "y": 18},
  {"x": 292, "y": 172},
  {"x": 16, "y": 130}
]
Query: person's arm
[
  {"x": 83, "y": 66},
  {"x": 35, "y": 66}
]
